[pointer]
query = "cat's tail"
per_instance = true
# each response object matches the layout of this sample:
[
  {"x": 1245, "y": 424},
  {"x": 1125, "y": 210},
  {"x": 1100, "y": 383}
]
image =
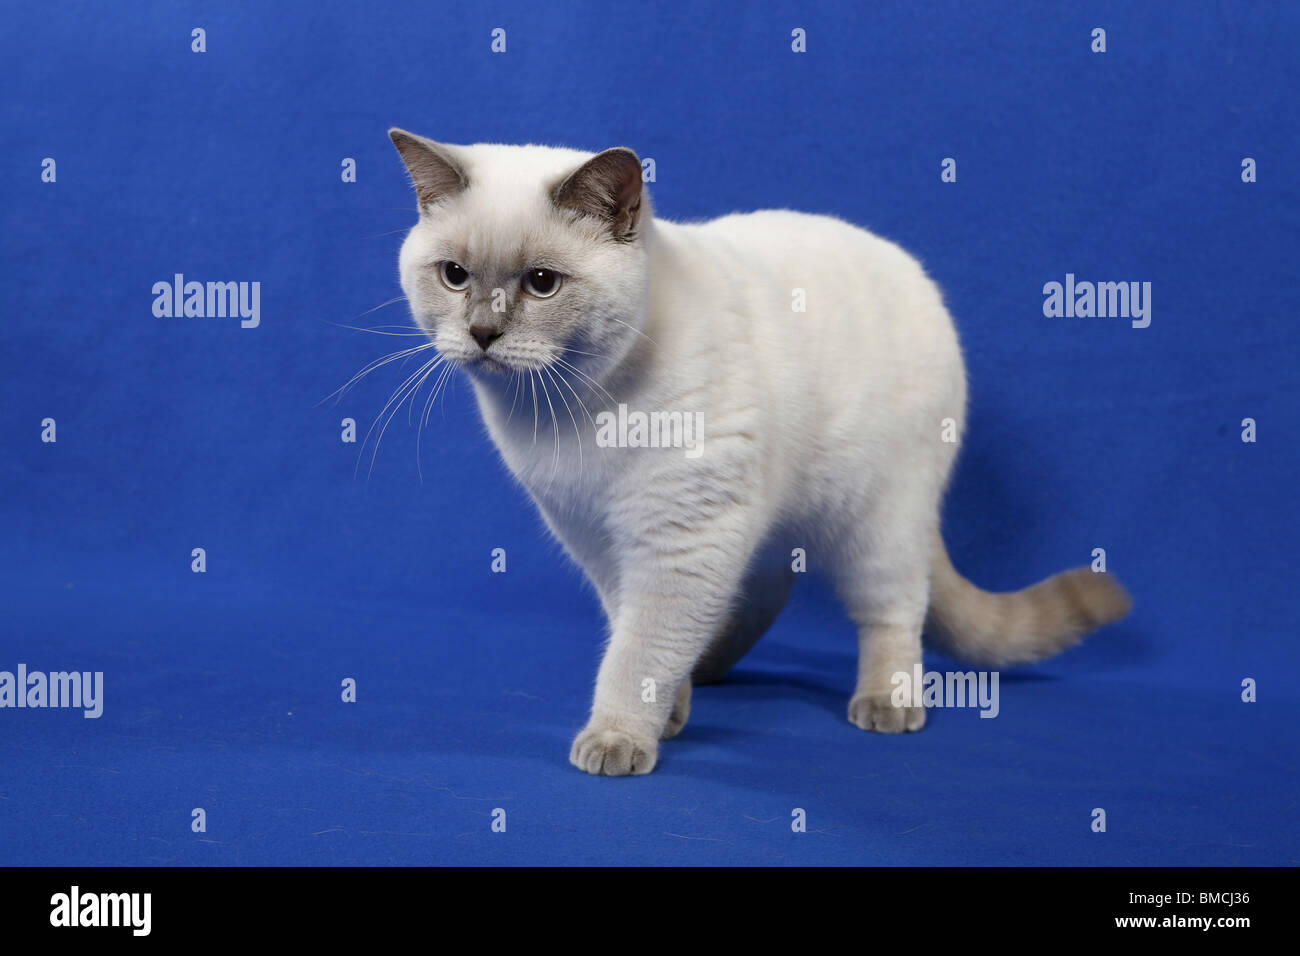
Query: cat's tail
[{"x": 1019, "y": 626}]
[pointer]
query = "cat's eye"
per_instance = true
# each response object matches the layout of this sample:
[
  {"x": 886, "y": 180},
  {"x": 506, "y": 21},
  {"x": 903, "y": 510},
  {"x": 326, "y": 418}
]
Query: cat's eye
[
  {"x": 453, "y": 275},
  {"x": 542, "y": 283}
]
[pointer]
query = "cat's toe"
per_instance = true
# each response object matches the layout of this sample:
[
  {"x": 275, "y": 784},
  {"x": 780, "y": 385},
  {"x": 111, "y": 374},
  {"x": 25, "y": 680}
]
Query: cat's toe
[
  {"x": 878, "y": 713},
  {"x": 613, "y": 753}
]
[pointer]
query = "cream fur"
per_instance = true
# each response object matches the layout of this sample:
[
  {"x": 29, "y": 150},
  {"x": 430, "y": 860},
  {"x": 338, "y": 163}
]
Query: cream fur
[{"x": 823, "y": 429}]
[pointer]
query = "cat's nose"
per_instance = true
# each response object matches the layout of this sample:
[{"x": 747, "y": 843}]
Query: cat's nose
[{"x": 484, "y": 335}]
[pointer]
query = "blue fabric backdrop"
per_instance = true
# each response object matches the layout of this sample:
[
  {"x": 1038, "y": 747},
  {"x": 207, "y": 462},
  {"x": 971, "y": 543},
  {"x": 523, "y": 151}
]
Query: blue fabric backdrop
[{"x": 222, "y": 689}]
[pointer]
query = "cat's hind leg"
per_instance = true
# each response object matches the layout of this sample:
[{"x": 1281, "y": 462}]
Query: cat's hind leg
[
  {"x": 681, "y": 712},
  {"x": 884, "y": 581},
  {"x": 763, "y": 596}
]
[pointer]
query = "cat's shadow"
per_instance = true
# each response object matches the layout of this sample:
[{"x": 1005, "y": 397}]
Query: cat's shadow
[{"x": 744, "y": 687}]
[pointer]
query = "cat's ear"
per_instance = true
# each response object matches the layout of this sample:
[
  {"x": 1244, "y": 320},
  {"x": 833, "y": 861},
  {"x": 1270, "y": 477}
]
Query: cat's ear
[
  {"x": 434, "y": 170},
  {"x": 608, "y": 187}
]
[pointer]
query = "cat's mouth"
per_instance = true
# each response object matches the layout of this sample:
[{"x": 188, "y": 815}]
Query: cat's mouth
[
  {"x": 488, "y": 363},
  {"x": 494, "y": 362}
]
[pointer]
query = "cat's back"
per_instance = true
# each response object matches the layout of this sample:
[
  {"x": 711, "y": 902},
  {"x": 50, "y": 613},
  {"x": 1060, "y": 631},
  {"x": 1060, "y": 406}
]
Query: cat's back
[
  {"x": 808, "y": 241},
  {"x": 851, "y": 282},
  {"x": 815, "y": 305}
]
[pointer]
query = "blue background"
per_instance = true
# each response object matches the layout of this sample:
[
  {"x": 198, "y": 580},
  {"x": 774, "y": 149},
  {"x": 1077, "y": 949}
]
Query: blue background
[{"x": 223, "y": 688}]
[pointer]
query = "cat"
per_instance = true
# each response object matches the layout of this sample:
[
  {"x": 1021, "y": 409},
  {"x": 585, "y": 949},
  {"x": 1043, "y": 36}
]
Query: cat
[{"x": 543, "y": 273}]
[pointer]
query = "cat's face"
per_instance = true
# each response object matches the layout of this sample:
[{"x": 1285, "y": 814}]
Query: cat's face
[{"x": 525, "y": 257}]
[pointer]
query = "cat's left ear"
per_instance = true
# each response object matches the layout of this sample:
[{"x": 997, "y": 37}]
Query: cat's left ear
[
  {"x": 608, "y": 187},
  {"x": 434, "y": 169}
]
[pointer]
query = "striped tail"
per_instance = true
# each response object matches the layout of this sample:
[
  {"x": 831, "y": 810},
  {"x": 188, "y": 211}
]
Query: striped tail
[{"x": 1020, "y": 626}]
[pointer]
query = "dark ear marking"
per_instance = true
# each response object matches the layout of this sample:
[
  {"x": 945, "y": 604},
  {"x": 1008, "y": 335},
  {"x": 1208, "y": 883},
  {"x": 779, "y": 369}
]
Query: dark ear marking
[
  {"x": 607, "y": 187},
  {"x": 434, "y": 170}
]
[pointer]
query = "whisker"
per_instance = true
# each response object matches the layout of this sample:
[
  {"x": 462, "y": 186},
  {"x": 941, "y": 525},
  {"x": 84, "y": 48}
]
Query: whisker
[
  {"x": 424, "y": 419},
  {"x": 381, "y": 305},
  {"x": 427, "y": 370},
  {"x": 586, "y": 378},
  {"x": 406, "y": 390},
  {"x": 535, "y": 410},
  {"x": 394, "y": 402},
  {"x": 376, "y": 330},
  {"x": 370, "y": 367},
  {"x": 555, "y": 424},
  {"x": 514, "y": 374},
  {"x": 574, "y": 368},
  {"x": 442, "y": 388},
  {"x": 636, "y": 330},
  {"x": 433, "y": 393},
  {"x": 390, "y": 233},
  {"x": 559, "y": 373},
  {"x": 576, "y": 434}
]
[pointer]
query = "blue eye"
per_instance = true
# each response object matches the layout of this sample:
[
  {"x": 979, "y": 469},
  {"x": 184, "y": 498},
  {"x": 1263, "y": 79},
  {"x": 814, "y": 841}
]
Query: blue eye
[
  {"x": 542, "y": 283},
  {"x": 454, "y": 276}
]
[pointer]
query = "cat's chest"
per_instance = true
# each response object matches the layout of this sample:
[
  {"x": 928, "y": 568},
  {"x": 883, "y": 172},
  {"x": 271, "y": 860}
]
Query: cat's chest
[
  {"x": 558, "y": 470},
  {"x": 576, "y": 493}
]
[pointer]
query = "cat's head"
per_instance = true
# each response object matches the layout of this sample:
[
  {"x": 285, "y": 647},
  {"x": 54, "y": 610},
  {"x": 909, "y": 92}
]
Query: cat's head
[{"x": 525, "y": 256}]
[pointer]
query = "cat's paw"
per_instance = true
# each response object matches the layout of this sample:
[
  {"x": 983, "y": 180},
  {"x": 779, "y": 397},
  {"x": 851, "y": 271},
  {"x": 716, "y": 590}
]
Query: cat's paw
[
  {"x": 613, "y": 753},
  {"x": 681, "y": 711},
  {"x": 878, "y": 713}
]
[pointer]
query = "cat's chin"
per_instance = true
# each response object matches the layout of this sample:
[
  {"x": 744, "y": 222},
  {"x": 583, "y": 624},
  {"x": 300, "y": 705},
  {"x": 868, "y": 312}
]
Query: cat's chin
[{"x": 488, "y": 367}]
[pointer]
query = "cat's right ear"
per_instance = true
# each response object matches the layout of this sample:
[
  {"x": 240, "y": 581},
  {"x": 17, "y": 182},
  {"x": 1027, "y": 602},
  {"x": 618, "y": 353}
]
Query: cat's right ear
[{"x": 434, "y": 170}]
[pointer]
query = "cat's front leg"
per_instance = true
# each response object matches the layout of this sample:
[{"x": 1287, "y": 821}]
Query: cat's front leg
[{"x": 669, "y": 607}]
